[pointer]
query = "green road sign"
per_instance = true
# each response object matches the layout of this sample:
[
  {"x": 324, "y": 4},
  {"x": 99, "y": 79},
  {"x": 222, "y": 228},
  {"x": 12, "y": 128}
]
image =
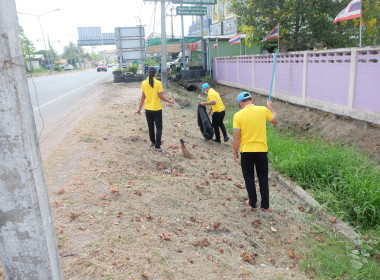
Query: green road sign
[
  {"x": 191, "y": 11},
  {"x": 198, "y": 2}
]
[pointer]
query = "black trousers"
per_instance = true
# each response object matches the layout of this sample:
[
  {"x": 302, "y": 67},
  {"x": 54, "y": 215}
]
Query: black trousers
[
  {"x": 248, "y": 163},
  {"x": 217, "y": 121},
  {"x": 154, "y": 118}
]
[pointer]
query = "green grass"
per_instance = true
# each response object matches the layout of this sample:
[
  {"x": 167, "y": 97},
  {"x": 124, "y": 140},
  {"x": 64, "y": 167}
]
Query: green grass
[
  {"x": 338, "y": 258},
  {"x": 346, "y": 182},
  {"x": 340, "y": 177}
]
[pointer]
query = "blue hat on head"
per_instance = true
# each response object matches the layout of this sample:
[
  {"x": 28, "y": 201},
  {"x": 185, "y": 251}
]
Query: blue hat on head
[
  {"x": 243, "y": 96},
  {"x": 204, "y": 86}
]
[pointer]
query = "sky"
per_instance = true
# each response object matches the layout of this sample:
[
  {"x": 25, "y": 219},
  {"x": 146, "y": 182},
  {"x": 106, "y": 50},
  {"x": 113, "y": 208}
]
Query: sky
[{"x": 62, "y": 25}]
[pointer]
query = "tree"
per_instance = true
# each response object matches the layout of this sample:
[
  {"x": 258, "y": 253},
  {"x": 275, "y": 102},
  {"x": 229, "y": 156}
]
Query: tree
[
  {"x": 70, "y": 53},
  {"x": 28, "y": 47},
  {"x": 303, "y": 24}
]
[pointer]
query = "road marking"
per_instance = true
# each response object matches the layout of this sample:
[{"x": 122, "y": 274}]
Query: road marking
[{"x": 62, "y": 96}]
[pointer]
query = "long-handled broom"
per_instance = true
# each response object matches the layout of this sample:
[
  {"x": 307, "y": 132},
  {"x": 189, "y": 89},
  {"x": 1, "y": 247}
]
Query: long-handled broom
[{"x": 186, "y": 153}]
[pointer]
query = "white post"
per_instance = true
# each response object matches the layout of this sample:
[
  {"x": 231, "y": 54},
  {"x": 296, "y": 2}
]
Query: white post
[
  {"x": 27, "y": 238},
  {"x": 304, "y": 77},
  {"x": 351, "y": 87}
]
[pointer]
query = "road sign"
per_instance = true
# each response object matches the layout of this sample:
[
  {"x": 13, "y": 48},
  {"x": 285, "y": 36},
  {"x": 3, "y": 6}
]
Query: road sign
[
  {"x": 200, "y": 2},
  {"x": 191, "y": 11}
]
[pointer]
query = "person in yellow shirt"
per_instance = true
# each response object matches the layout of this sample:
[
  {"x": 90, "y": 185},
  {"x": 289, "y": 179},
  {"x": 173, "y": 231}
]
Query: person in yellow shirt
[
  {"x": 250, "y": 136},
  {"x": 152, "y": 94},
  {"x": 217, "y": 106}
]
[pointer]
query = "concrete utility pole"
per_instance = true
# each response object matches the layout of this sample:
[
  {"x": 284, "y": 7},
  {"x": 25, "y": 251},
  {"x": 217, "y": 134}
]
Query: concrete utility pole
[
  {"x": 27, "y": 238},
  {"x": 171, "y": 18},
  {"x": 164, "y": 69}
]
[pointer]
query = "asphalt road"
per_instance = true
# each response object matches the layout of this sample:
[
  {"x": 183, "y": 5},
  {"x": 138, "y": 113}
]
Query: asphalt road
[{"x": 59, "y": 100}]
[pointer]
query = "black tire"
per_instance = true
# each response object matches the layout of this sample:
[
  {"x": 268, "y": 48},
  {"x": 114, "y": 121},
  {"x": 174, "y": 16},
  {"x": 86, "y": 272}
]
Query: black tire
[
  {"x": 117, "y": 72},
  {"x": 118, "y": 80}
]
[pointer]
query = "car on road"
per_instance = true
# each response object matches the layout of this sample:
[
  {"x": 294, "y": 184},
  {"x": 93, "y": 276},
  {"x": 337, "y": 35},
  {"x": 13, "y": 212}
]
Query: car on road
[
  {"x": 68, "y": 67},
  {"x": 101, "y": 67}
]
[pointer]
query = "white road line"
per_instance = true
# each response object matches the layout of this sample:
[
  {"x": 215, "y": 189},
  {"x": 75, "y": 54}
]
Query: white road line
[{"x": 62, "y": 96}]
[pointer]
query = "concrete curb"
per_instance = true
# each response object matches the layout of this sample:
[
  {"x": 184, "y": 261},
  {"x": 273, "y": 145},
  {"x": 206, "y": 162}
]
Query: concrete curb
[{"x": 315, "y": 207}]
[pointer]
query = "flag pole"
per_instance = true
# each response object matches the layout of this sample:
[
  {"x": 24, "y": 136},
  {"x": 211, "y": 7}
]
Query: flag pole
[
  {"x": 360, "y": 28},
  {"x": 278, "y": 38},
  {"x": 274, "y": 68}
]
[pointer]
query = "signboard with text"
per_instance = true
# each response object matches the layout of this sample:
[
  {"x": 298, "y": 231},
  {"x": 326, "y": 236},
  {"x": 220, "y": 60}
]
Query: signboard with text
[
  {"x": 191, "y": 11},
  {"x": 198, "y": 2}
]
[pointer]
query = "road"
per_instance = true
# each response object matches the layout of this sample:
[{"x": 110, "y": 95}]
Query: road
[{"x": 59, "y": 100}]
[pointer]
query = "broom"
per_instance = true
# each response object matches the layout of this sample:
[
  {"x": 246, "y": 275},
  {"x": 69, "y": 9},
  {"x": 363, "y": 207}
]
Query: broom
[{"x": 186, "y": 153}]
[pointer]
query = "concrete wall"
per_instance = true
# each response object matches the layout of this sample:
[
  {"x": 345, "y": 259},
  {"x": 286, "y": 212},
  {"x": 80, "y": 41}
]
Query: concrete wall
[{"x": 341, "y": 81}]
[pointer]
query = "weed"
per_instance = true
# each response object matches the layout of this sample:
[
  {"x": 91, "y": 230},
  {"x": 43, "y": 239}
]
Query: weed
[
  {"x": 87, "y": 139},
  {"x": 61, "y": 241}
]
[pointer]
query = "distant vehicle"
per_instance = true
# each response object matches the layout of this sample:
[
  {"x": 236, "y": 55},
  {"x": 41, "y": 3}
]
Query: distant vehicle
[
  {"x": 110, "y": 66},
  {"x": 101, "y": 67},
  {"x": 68, "y": 67}
]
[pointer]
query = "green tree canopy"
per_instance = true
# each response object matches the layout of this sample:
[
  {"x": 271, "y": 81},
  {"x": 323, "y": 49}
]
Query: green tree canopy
[
  {"x": 303, "y": 24},
  {"x": 28, "y": 47}
]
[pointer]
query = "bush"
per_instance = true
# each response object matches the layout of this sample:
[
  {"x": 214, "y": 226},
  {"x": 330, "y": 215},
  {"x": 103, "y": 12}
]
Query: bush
[
  {"x": 132, "y": 68},
  {"x": 207, "y": 79},
  {"x": 57, "y": 68}
]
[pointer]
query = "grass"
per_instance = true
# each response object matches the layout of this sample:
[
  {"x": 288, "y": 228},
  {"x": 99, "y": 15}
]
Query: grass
[
  {"x": 338, "y": 258},
  {"x": 346, "y": 182},
  {"x": 340, "y": 177}
]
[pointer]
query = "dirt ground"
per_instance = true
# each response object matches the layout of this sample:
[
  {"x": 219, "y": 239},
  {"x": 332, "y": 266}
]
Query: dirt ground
[{"x": 123, "y": 211}]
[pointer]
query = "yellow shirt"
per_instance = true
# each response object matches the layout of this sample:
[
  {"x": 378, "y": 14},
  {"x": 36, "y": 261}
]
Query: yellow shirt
[
  {"x": 252, "y": 124},
  {"x": 152, "y": 100},
  {"x": 214, "y": 95}
]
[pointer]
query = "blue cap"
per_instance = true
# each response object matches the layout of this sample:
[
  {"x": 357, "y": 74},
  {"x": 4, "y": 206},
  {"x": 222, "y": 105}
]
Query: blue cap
[
  {"x": 243, "y": 96},
  {"x": 204, "y": 86}
]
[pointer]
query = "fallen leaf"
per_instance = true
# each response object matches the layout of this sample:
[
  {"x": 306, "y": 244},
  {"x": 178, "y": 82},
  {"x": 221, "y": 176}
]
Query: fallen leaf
[
  {"x": 333, "y": 219},
  {"x": 289, "y": 241},
  {"x": 114, "y": 189},
  {"x": 239, "y": 186},
  {"x": 301, "y": 208},
  {"x": 366, "y": 237},
  {"x": 61, "y": 191},
  {"x": 105, "y": 138},
  {"x": 321, "y": 239},
  {"x": 273, "y": 229},
  {"x": 72, "y": 217},
  {"x": 274, "y": 184},
  {"x": 221, "y": 251},
  {"x": 299, "y": 227},
  {"x": 138, "y": 193},
  {"x": 229, "y": 198},
  {"x": 120, "y": 214},
  {"x": 165, "y": 236},
  {"x": 272, "y": 260},
  {"x": 291, "y": 253},
  {"x": 145, "y": 275}
]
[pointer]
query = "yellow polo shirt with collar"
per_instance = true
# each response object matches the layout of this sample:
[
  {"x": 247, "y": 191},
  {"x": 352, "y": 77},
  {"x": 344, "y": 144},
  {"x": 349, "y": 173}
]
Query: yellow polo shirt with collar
[
  {"x": 152, "y": 100},
  {"x": 251, "y": 120},
  {"x": 214, "y": 95}
]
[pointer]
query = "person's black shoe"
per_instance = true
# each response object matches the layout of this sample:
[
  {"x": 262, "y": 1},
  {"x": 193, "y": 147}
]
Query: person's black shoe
[
  {"x": 216, "y": 141},
  {"x": 226, "y": 139}
]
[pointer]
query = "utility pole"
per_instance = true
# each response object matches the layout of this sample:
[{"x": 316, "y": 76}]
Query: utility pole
[
  {"x": 28, "y": 245},
  {"x": 183, "y": 44},
  {"x": 171, "y": 17},
  {"x": 80, "y": 58},
  {"x": 164, "y": 69},
  {"x": 51, "y": 60},
  {"x": 141, "y": 40}
]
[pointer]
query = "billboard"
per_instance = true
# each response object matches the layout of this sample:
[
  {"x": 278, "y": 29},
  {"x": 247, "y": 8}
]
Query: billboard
[{"x": 93, "y": 36}]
